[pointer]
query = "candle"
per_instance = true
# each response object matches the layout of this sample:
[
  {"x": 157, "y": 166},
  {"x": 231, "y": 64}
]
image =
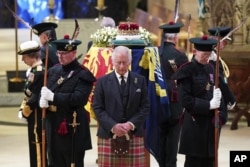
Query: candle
[
  {"x": 51, "y": 2},
  {"x": 100, "y": 3}
]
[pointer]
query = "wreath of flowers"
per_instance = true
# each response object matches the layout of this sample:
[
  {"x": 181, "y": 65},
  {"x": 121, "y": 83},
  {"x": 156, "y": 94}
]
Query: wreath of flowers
[{"x": 103, "y": 37}]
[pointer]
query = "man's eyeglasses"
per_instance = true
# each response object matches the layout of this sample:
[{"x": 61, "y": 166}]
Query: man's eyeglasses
[{"x": 62, "y": 52}]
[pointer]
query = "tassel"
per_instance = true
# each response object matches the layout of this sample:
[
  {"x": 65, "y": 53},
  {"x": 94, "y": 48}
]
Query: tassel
[
  {"x": 174, "y": 95},
  {"x": 62, "y": 130}
]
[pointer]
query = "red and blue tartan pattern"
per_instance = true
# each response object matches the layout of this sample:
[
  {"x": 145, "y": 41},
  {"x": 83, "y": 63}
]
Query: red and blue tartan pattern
[{"x": 135, "y": 157}]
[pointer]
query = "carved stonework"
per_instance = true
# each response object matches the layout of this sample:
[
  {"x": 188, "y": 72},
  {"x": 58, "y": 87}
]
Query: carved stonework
[{"x": 229, "y": 13}]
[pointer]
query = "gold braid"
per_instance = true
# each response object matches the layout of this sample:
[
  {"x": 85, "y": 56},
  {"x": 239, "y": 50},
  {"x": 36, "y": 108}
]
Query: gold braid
[{"x": 226, "y": 71}]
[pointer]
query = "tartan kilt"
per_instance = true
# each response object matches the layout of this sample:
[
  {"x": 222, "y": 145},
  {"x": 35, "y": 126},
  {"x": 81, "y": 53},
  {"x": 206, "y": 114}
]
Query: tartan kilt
[{"x": 135, "y": 158}]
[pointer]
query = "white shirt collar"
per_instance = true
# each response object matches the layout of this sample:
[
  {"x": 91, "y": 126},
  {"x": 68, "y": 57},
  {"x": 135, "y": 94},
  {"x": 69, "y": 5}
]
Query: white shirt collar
[{"x": 119, "y": 76}]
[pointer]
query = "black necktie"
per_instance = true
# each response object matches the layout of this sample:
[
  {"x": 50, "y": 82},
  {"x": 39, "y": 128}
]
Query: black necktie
[{"x": 123, "y": 83}]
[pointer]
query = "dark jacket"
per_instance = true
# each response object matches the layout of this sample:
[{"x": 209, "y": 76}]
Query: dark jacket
[
  {"x": 70, "y": 96},
  {"x": 32, "y": 89},
  {"x": 52, "y": 56},
  {"x": 108, "y": 106},
  {"x": 197, "y": 82},
  {"x": 167, "y": 53}
]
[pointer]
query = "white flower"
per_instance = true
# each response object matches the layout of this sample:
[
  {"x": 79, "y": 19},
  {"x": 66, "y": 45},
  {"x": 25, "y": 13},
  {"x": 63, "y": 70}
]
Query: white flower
[
  {"x": 145, "y": 35},
  {"x": 102, "y": 37}
]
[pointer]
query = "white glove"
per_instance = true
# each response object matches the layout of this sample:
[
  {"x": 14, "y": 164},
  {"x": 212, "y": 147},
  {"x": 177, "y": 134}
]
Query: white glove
[
  {"x": 231, "y": 106},
  {"x": 47, "y": 94},
  {"x": 43, "y": 103},
  {"x": 216, "y": 100},
  {"x": 213, "y": 56},
  {"x": 21, "y": 117}
]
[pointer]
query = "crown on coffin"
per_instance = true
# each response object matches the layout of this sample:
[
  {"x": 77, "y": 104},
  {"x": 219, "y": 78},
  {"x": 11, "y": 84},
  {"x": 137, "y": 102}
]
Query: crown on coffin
[{"x": 128, "y": 28}]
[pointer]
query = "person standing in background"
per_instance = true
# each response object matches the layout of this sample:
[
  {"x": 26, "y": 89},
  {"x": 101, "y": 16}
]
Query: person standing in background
[
  {"x": 46, "y": 33},
  {"x": 30, "y": 109},
  {"x": 121, "y": 106},
  {"x": 171, "y": 59},
  {"x": 66, "y": 94},
  {"x": 224, "y": 72},
  {"x": 201, "y": 99}
]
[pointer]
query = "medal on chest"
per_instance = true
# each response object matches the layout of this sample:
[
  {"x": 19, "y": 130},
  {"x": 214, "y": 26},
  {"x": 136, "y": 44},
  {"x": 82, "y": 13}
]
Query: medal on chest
[
  {"x": 31, "y": 77},
  {"x": 60, "y": 80},
  {"x": 211, "y": 80}
]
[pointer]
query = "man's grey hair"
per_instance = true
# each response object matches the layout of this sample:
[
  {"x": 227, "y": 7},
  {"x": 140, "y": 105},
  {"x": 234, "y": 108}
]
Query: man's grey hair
[
  {"x": 170, "y": 36},
  {"x": 124, "y": 50},
  {"x": 107, "y": 22}
]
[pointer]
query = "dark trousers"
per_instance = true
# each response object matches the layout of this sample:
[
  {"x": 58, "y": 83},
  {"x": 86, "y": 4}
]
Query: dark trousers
[
  {"x": 34, "y": 155},
  {"x": 192, "y": 161},
  {"x": 169, "y": 141},
  {"x": 63, "y": 159}
]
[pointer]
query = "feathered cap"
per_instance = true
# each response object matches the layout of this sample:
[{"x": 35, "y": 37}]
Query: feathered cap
[
  {"x": 223, "y": 31},
  {"x": 66, "y": 44},
  {"x": 203, "y": 43},
  {"x": 171, "y": 27},
  {"x": 41, "y": 27}
]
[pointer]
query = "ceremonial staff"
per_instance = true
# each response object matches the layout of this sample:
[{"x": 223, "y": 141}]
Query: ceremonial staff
[
  {"x": 189, "y": 31},
  {"x": 235, "y": 29},
  {"x": 44, "y": 110},
  {"x": 176, "y": 10},
  {"x": 216, "y": 112},
  {"x": 37, "y": 142}
]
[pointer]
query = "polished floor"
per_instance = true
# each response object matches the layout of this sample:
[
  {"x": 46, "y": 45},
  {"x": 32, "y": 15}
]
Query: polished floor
[{"x": 14, "y": 146}]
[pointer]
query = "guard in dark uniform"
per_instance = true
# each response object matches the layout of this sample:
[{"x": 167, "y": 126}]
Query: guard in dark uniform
[
  {"x": 68, "y": 88},
  {"x": 171, "y": 59},
  {"x": 30, "y": 109},
  {"x": 200, "y": 98},
  {"x": 224, "y": 72},
  {"x": 47, "y": 34}
]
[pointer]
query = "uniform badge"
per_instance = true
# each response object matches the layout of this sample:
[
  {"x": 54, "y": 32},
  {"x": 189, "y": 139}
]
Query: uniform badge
[
  {"x": 208, "y": 86},
  {"x": 31, "y": 77},
  {"x": 60, "y": 80},
  {"x": 135, "y": 81},
  {"x": 70, "y": 74},
  {"x": 211, "y": 77}
]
